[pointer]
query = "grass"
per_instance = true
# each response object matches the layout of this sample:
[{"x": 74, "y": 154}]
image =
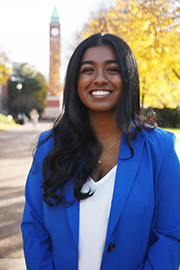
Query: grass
[
  {"x": 5, "y": 123},
  {"x": 176, "y": 131}
]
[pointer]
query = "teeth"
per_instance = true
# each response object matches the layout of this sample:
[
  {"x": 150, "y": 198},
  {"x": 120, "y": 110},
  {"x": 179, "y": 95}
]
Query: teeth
[{"x": 100, "y": 93}]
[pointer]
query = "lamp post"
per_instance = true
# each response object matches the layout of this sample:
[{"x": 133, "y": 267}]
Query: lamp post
[{"x": 19, "y": 86}]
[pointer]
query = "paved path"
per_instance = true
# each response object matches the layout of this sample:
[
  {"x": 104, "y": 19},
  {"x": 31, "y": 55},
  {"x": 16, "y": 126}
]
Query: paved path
[{"x": 15, "y": 161}]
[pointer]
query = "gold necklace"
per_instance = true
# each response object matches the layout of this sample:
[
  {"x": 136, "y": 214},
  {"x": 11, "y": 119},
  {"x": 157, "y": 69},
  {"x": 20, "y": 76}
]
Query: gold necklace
[{"x": 99, "y": 161}]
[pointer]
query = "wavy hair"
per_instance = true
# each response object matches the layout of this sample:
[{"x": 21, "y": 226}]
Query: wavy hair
[{"x": 76, "y": 148}]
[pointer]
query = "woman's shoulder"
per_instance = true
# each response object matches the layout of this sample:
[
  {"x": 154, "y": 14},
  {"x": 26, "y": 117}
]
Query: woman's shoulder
[
  {"x": 158, "y": 137},
  {"x": 45, "y": 135},
  {"x": 157, "y": 132},
  {"x": 45, "y": 142}
]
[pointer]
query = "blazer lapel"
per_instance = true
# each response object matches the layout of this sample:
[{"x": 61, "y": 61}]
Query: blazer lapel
[
  {"x": 125, "y": 176},
  {"x": 73, "y": 212}
]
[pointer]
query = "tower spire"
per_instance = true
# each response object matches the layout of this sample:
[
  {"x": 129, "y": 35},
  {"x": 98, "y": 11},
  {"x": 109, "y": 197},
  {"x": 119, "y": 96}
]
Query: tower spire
[{"x": 55, "y": 16}]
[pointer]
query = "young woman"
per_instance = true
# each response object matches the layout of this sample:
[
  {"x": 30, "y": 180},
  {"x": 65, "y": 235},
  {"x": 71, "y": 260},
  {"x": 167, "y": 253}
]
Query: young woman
[{"x": 104, "y": 188}]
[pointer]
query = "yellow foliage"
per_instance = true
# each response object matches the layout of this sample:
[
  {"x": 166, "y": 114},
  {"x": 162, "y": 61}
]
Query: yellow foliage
[
  {"x": 158, "y": 49},
  {"x": 144, "y": 27},
  {"x": 4, "y": 73},
  {"x": 166, "y": 49},
  {"x": 135, "y": 10},
  {"x": 150, "y": 30}
]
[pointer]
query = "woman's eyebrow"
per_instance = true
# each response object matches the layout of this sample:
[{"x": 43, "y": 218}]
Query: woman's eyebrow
[
  {"x": 91, "y": 62},
  {"x": 111, "y": 61}
]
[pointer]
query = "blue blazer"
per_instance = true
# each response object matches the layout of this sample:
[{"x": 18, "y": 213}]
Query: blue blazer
[{"x": 144, "y": 223}]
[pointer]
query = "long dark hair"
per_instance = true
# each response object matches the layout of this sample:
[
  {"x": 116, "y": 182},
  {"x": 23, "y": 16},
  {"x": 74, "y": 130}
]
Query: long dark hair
[{"x": 76, "y": 148}]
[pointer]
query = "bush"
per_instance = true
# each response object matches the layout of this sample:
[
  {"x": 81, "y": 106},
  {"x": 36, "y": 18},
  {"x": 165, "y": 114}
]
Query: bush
[{"x": 165, "y": 117}]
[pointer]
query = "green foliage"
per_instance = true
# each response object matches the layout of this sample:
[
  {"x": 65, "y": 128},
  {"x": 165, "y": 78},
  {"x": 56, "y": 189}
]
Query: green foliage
[
  {"x": 32, "y": 92},
  {"x": 41, "y": 94},
  {"x": 166, "y": 117}
]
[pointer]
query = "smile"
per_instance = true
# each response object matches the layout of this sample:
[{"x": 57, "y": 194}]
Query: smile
[{"x": 100, "y": 93}]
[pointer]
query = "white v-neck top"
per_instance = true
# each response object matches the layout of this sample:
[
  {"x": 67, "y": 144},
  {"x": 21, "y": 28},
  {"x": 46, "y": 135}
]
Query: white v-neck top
[{"x": 94, "y": 216}]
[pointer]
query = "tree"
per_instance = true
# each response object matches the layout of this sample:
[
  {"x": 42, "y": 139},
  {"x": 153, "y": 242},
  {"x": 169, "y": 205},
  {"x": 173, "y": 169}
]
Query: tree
[
  {"x": 27, "y": 90},
  {"x": 5, "y": 71},
  {"x": 41, "y": 94},
  {"x": 152, "y": 30}
]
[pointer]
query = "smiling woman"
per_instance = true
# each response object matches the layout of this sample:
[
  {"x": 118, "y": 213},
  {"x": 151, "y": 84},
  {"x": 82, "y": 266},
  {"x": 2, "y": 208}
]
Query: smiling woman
[
  {"x": 104, "y": 188},
  {"x": 100, "y": 82}
]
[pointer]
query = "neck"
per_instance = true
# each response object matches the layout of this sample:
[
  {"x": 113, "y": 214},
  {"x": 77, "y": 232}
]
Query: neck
[{"x": 104, "y": 125}]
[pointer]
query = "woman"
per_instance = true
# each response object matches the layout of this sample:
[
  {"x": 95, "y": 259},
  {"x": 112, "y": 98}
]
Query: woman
[{"x": 104, "y": 189}]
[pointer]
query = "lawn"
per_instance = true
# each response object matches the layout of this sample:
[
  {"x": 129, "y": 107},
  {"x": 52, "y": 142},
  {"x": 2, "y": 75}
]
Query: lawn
[{"x": 5, "y": 122}]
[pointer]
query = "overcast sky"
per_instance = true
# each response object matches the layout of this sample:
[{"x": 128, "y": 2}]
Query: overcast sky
[{"x": 24, "y": 27}]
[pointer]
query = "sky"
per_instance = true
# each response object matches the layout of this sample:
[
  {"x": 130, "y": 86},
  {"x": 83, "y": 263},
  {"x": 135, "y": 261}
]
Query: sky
[{"x": 24, "y": 28}]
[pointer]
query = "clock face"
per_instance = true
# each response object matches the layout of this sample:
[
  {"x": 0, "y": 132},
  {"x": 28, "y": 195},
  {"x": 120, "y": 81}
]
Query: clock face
[{"x": 54, "y": 31}]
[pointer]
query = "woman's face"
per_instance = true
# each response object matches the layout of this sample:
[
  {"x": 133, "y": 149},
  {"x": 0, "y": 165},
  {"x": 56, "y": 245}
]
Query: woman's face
[{"x": 100, "y": 82}]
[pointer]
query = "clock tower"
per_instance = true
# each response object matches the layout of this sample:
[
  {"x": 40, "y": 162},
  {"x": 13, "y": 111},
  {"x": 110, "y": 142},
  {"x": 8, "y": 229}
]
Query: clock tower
[{"x": 53, "y": 96}]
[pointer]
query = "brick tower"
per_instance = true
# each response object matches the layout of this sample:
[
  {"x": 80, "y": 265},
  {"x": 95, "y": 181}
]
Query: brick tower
[{"x": 53, "y": 96}]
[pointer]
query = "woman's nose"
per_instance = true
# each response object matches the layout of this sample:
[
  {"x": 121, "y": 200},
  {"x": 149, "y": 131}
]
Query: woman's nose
[{"x": 100, "y": 78}]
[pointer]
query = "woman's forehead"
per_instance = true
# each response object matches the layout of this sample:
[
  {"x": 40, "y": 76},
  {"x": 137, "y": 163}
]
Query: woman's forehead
[{"x": 99, "y": 53}]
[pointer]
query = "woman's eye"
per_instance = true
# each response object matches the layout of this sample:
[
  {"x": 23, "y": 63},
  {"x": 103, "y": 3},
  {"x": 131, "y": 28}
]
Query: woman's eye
[
  {"x": 113, "y": 69},
  {"x": 88, "y": 69}
]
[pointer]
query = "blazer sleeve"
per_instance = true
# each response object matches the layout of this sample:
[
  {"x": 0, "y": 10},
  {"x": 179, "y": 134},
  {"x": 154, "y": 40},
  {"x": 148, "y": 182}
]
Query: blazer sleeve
[
  {"x": 165, "y": 252},
  {"x": 36, "y": 240}
]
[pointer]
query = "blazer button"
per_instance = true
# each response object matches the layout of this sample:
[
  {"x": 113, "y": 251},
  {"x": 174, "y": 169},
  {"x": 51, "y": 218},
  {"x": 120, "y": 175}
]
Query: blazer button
[{"x": 111, "y": 247}]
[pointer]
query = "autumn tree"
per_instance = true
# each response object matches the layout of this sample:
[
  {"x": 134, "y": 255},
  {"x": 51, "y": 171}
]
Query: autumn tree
[
  {"x": 42, "y": 92},
  {"x": 27, "y": 90},
  {"x": 152, "y": 30},
  {"x": 5, "y": 70}
]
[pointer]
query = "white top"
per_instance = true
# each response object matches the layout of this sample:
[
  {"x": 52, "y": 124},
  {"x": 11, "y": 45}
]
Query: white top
[{"x": 94, "y": 216}]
